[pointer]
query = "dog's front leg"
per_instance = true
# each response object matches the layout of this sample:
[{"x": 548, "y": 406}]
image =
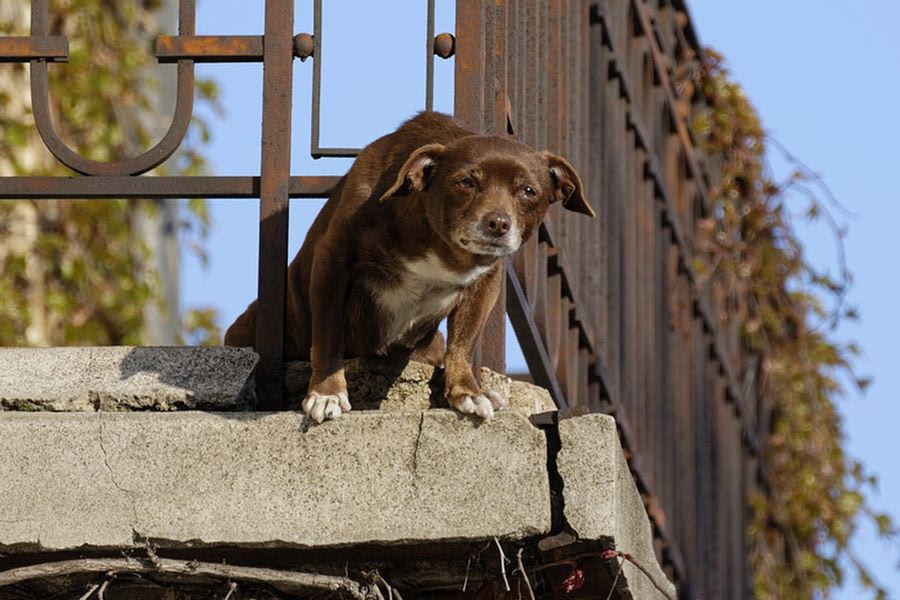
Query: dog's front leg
[
  {"x": 327, "y": 396},
  {"x": 464, "y": 329}
]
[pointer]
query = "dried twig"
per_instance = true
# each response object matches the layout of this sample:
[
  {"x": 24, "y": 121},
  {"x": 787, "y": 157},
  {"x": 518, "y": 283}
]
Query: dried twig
[
  {"x": 284, "y": 581},
  {"x": 612, "y": 588},
  {"x": 808, "y": 171},
  {"x": 376, "y": 578},
  {"x": 387, "y": 586},
  {"x": 466, "y": 580},
  {"x": 101, "y": 593},
  {"x": 90, "y": 591},
  {"x": 231, "y": 588},
  {"x": 611, "y": 553},
  {"x": 375, "y": 592},
  {"x": 151, "y": 553},
  {"x": 503, "y": 561},
  {"x": 524, "y": 573}
]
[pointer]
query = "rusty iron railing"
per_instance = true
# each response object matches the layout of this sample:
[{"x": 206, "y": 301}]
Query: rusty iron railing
[{"x": 609, "y": 312}]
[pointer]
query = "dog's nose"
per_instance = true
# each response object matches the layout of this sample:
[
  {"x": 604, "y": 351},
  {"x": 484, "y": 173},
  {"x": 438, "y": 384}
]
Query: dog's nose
[{"x": 496, "y": 223}]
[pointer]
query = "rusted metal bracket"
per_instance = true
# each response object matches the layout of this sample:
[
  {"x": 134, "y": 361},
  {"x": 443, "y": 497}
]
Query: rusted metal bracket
[
  {"x": 53, "y": 48},
  {"x": 223, "y": 48},
  {"x": 117, "y": 186},
  {"x": 209, "y": 48}
]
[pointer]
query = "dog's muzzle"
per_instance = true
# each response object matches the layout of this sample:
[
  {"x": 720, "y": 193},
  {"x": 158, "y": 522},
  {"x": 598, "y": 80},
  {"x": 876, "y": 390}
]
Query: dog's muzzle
[{"x": 495, "y": 234}]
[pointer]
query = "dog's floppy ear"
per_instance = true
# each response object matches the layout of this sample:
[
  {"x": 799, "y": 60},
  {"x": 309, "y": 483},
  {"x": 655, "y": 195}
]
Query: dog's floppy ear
[
  {"x": 415, "y": 171},
  {"x": 567, "y": 185}
]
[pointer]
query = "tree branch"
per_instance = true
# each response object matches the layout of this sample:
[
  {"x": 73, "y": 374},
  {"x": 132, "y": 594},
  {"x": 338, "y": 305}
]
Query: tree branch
[{"x": 284, "y": 581}]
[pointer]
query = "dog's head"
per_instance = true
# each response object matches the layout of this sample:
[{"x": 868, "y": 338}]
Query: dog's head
[{"x": 485, "y": 195}]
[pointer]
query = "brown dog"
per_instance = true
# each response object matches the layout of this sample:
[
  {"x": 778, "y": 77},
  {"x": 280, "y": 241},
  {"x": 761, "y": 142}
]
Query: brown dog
[{"x": 414, "y": 232}]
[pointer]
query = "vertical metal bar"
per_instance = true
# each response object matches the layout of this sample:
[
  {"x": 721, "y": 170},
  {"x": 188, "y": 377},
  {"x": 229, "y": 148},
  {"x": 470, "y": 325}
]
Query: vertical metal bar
[
  {"x": 40, "y": 18},
  {"x": 429, "y": 58},
  {"x": 469, "y": 69},
  {"x": 499, "y": 72},
  {"x": 317, "y": 80},
  {"x": 493, "y": 341},
  {"x": 685, "y": 449},
  {"x": 513, "y": 37},
  {"x": 187, "y": 16},
  {"x": 473, "y": 97},
  {"x": 274, "y": 201},
  {"x": 549, "y": 56},
  {"x": 542, "y": 88},
  {"x": 663, "y": 384},
  {"x": 532, "y": 78}
]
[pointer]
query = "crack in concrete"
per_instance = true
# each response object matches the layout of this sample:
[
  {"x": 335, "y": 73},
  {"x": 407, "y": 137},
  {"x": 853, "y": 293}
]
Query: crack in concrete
[
  {"x": 548, "y": 424},
  {"x": 416, "y": 449},
  {"x": 112, "y": 475}
]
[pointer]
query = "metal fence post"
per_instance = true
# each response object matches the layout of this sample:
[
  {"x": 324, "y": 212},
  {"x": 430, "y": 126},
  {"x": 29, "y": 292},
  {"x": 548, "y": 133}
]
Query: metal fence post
[{"x": 274, "y": 201}]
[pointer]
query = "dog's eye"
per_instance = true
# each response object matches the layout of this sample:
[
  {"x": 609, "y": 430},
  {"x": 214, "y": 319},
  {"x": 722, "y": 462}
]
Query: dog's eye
[
  {"x": 467, "y": 182},
  {"x": 529, "y": 191}
]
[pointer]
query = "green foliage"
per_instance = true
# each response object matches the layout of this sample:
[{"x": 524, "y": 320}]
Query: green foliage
[
  {"x": 802, "y": 531},
  {"x": 200, "y": 327},
  {"x": 71, "y": 270}
]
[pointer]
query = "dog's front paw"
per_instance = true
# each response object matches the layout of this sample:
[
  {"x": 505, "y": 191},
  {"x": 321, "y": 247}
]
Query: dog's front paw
[
  {"x": 325, "y": 406},
  {"x": 481, "y": 404}
]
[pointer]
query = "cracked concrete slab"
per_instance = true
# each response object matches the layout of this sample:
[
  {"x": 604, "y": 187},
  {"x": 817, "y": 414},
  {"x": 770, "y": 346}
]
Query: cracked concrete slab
[
  {"x": 101, "y": 477},
  {"x": 602, "y": 502},
  {"x": 126, "y": 378},
  {"x": 78, "y": 480}
]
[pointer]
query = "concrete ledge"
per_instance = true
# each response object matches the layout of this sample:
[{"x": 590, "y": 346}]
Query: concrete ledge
[
  {"x": 602, "y": 502},
  {"x": 252, "y": 479},
  {"x": 126, "y": 378}
]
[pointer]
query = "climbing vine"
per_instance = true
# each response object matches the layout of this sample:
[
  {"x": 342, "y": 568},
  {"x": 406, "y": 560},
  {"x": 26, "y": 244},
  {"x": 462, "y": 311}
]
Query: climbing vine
[{"x": 802, "y": 529}]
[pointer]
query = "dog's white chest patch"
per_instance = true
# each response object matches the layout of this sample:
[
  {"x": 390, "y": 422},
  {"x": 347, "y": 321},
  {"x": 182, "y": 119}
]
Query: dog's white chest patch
[{"x": 427, "y": 289}]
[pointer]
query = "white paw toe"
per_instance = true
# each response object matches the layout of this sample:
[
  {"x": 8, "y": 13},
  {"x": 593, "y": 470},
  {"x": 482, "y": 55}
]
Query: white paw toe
[
  {"x": 344, "y": 402},
  {"x": 326, "y": 406},
  {"x": 483, "y": 407},
  {"x": 498, "y": 401},
  {"x": 465, "y": 406}
]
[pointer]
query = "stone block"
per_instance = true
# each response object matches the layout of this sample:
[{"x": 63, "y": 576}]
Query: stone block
[
  {"x": 100, "y": 479},
  {"x": 126, "y": 378},
  {"x": 602, "y": 502}
]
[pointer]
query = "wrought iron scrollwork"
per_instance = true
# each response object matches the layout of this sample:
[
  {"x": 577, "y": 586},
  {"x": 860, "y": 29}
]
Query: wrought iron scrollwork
[{"x": 40, "y": 101}]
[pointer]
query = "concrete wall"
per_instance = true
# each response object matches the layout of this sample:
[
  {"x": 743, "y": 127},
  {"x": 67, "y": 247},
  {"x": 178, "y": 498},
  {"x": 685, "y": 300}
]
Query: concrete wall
[{"x": 97, "y": 460}]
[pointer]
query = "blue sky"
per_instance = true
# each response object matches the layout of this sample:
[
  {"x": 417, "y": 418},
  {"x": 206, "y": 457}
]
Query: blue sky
[{"x": 823, "y": 75}]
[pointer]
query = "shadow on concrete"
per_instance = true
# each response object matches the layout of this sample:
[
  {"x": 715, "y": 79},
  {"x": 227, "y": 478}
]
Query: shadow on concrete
[
  {"x": 375, "y": 384},
  {"x": 175, "y": 378}
]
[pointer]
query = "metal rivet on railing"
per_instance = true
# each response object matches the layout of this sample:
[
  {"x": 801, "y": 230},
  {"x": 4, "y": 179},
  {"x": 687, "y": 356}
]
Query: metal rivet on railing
[
  {"x": 303, "y": 45},
  {"x": 444, "y": 45}
]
